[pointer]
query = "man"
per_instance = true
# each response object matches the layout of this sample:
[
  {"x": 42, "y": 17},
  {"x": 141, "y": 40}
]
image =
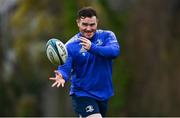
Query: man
[{"x": 89, "y": 66}]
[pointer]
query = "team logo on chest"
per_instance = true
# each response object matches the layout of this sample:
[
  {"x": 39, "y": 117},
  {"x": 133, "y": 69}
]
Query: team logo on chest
[{"x": 99, "y": 42}]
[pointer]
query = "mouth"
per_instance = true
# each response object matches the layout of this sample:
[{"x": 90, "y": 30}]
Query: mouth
[{"x": 88, "y": 33}]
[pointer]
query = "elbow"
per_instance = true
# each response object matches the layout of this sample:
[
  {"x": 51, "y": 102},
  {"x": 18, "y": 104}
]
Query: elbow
[{"x": 116, "y": 53}]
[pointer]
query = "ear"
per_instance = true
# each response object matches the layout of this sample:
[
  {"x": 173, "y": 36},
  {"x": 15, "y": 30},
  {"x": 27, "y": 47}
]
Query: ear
[
  {"x": 77, "y": 21},
  {"x": 97, "y": 20}
]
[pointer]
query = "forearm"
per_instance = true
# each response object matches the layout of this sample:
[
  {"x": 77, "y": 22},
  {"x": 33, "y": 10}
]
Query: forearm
[
  {"x": 65, "y": 69},
  {"x": 110, "y": 51}
]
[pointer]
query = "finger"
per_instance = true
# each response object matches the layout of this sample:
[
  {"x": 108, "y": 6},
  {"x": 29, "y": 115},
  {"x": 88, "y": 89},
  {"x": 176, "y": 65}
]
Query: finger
[
  {"x": 54, "y": 84},
  {"x": 83, "y": 40},
  {"x": 62, "y": 84},
  {"x": 86, "y": 46},
  {"x": 83, "y": 44},
  {"x": 52, "y": 78},
  {"x": 58, "y": 84}
]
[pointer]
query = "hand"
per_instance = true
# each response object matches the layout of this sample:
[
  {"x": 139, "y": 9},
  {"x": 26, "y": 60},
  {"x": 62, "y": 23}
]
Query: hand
[
  {"x": 58, "y": 79},
  {"x": 86, "y": 43}
]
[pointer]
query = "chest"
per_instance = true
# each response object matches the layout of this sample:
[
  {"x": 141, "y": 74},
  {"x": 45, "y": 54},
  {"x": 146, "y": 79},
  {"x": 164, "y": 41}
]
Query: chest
[{"x": 81, "y": 56}]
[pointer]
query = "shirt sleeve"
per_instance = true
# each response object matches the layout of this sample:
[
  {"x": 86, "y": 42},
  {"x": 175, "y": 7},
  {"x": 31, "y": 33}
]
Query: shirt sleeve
[
  {"x": 111, "y": 49},
  {"x": 65, "y": 69}
]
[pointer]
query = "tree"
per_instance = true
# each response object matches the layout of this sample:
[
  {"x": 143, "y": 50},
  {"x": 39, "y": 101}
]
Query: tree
[{"x": 152, "y": 57}]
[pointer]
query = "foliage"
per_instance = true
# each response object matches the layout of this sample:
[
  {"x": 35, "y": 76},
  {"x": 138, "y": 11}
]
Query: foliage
[{"x": 31, "y": 24}]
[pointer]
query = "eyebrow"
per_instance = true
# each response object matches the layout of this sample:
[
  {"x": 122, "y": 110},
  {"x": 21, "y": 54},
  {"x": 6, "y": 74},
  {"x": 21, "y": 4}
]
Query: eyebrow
[{"x": 91, "y": 24}]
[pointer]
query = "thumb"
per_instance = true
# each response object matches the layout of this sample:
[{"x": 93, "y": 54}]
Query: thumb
[{"x": 57, "y": 73}]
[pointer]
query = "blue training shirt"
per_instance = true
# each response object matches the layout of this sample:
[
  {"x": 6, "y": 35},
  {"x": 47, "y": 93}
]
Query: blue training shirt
[{"x": 90, "y": 72}]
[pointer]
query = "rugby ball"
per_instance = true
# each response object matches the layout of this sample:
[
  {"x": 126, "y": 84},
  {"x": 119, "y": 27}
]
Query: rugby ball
[{"x": 56, "y": 51}]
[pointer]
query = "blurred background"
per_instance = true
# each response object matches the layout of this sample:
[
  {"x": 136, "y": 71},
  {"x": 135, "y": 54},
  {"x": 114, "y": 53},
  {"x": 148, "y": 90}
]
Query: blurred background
[{"x": 146, "y": 75}]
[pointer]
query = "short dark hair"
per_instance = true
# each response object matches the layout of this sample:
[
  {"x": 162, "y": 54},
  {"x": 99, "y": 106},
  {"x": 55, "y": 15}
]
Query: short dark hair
[{"x": 86, "y": 12}]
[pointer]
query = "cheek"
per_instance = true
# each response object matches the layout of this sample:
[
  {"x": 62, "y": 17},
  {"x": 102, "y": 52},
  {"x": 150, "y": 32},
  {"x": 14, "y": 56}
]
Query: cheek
[
  {"x": 81, "y": 27},
  {"x": 93, "y": 28}
]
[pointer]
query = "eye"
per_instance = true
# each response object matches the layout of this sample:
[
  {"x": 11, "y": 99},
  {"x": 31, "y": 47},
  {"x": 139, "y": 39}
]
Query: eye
[
  {"x": 92, "y": 24},
  {"x": 85, "y": 24}
]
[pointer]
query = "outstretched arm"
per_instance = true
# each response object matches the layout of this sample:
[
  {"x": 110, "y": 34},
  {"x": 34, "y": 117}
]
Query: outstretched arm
[{"x": 63, "y": 72}]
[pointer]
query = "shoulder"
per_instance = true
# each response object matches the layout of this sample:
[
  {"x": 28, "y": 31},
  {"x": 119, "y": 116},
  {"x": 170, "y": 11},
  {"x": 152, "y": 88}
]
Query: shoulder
[
  {"x": 105, "y": 32},
  {"x": 72, "y": 43},
  {"x": 72, "y": 40}
]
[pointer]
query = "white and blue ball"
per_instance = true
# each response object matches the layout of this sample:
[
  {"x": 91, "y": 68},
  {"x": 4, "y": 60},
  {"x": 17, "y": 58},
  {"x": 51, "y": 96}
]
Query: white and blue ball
[{"x": 56, "y": 51}]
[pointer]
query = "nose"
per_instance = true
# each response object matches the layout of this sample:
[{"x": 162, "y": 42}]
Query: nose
[{"x": 88, "y": 28}]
